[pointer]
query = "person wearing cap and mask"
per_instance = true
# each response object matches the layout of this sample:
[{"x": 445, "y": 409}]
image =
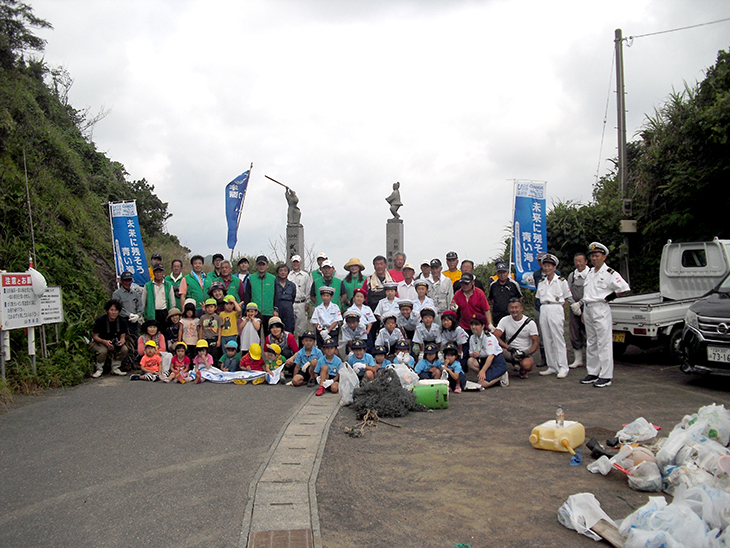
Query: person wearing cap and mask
[
  {"x": 441, "y": 289},
  {"x": 553, "y": 292},
  {"x": 399, "y": 259},
  {"x": 468, "y": 301},
  {"x": 327, "y": 279},
  {"x": 501, "y": 291},
  {"x": 452, "y": 271},
  {"x": 602, "y": 284},
  {"x": 158, "y": 297},
  {"x": 130, "y": 296},
  {"x": 261, "y": 291},
  {"x": 303, "y": 282}
]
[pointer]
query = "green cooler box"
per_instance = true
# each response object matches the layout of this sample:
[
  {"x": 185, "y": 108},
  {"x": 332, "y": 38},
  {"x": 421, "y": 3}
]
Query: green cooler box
[{"x": 433, "y": 394}]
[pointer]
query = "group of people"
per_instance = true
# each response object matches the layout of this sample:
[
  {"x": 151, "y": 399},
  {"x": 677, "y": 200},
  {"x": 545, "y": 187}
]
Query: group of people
[{"x": 440, "y": 322}]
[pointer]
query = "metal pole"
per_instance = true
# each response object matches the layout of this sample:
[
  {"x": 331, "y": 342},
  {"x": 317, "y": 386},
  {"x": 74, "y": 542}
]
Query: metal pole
[
  {"x": 31, "y": 347},
  {"x": 2, "y": 354},
  {"x": 621, "y": 116},
  {"x": 30, "y": 213}
]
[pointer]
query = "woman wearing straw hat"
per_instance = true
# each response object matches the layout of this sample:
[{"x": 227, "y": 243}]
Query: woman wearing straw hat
[{"x": 354, "y": 279}]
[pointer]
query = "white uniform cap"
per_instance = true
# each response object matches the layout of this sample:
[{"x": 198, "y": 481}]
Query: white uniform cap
[
  {"x": 597, "y": 246},
  {"x": 296, "y": 258}
]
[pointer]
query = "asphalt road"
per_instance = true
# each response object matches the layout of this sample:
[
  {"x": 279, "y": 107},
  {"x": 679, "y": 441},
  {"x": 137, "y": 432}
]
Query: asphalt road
[
  {"x": 469, "y": 475},
  {"x": 119, "y": 463}
]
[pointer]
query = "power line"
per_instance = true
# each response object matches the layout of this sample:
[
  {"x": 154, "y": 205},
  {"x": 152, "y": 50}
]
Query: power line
[
  {"x": 605, "y": 114},
  {"x": 677, "y": 29}
]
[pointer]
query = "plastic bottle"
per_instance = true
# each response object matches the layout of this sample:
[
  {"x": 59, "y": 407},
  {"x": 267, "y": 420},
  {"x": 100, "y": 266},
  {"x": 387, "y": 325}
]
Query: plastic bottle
[{"x": 560, "y": 417}]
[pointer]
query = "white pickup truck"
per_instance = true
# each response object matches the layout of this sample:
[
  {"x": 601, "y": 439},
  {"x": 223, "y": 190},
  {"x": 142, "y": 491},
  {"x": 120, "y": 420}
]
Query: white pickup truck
[{"x": 687, "y": 272}]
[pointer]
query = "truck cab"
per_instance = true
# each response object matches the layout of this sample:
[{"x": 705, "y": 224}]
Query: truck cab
[{"x": 688, "y": 270}]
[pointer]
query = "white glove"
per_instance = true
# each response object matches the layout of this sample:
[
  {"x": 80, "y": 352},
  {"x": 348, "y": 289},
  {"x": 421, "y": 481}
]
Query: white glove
[
  {"x": 576, "y": 309},
  {"x": 306, "y": 366},
  {"x": 134, "y": 318},
  {"x": 325, "y": 334},
  {"x": 491, "y": 328}
]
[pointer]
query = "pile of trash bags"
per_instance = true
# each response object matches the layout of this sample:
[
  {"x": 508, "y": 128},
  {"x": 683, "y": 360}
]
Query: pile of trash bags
[{"x": 692, "y": 464}]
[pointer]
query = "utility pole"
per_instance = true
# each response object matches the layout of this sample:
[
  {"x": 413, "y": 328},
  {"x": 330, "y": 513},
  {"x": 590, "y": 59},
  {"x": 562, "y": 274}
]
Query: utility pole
[{"x": 627, "y": 226}]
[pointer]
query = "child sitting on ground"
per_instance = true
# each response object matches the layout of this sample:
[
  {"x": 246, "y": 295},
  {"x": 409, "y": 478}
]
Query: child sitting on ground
[
  {"x": 272, "y": 362},
  {"x": 252, "y": 361},
  {"x": 328, "y": 368},
  {"x": 304, "y": 361},
  {"x": 352, "y": 330},
  {"x": 179, "y": 365},
  {"x": 230, "y": 315},
  {"x": 380, "y": 360},
  {"x": 403, "y": 354},
  {"x": 406, "y": 320},
  {"x": 249, "y": 327},
  {"x": 452, "y": 368},
  {"x": 229, "y": 361},
  {"x": 202, "y": 361},
  {"x": 429, "y": 367},
  {"x": 362, "y": 363},
  {"x": 426, "y": 332},
  {"x": 389, "y": 334},
  {"x": 485, "y": 355},
  {"x": 278, "y": 335},
  {"x": 150, "y": 364}
]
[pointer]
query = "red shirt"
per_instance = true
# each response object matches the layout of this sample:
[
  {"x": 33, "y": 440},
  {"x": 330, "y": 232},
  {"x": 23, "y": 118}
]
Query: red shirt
[
  {"x": 397, "y": 275},
  {"x": 477, "y": 303},
  {"x": 248, "y": 361}
]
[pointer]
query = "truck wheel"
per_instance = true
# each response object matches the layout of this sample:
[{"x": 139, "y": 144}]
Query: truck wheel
[
  {"x": 672, "y": 346},
  {"x": 619, "y": 349}
]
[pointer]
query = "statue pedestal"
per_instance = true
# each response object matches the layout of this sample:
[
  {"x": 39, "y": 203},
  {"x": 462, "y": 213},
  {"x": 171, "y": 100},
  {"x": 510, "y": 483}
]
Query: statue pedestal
[
  {"x": 294, "y": 242},
  {"x": 393, "y": 239}
]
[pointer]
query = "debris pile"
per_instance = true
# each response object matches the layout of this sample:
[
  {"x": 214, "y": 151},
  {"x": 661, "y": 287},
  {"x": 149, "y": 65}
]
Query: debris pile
[{"x": 385, "y": 396}]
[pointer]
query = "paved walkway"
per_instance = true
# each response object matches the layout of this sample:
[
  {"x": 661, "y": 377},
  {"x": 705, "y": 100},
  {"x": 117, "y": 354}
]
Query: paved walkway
[{"x": 282, "y": 508}]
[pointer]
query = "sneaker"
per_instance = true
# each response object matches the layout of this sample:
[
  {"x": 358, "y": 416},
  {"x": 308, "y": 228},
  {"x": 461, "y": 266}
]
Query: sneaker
[
  {"x": 547, "y": 372},
  {"x": 319, "y": 391},
  {"x": 96, "y": 374},
  {"x": 589, "y": 379},
  {"x": 562, "y": 374},
  {"x": 135, "y": 377},
  {"x": 602, "y": 383},
  {"x": 311, "y": 383},
  {"x": 504, "y": 381},
  {"x": 457, "y": 390},
  {"x": 118, "y": 371}
]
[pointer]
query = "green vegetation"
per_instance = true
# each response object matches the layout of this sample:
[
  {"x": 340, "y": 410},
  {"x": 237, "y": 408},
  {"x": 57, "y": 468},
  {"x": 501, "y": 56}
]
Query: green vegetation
[
  {"x": 70, "y": 182},
  {"x": 677, "y": 173}
]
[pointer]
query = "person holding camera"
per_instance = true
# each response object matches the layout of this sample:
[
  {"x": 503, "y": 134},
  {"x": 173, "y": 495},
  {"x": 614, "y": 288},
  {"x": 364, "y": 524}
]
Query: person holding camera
[
  {"x": 518, "y": 336},
  {"x": 108, "y": 339}
]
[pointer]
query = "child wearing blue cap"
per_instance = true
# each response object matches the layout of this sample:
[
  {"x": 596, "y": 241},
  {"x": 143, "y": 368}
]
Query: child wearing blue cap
[{"x": 230, "y": 360}]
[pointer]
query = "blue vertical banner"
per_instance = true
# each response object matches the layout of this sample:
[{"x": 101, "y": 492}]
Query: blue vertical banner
[
  {"x": 530, "y": 231},
  {"x": 128, "y": 249},
  {"x": 235, "y": 193}
]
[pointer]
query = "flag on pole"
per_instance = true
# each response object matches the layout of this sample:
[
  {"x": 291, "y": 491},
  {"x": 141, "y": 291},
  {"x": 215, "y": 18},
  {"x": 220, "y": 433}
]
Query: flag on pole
[
  {"x": 530, "y": 232},
  {"x": 235, "y": 192},
  {"x": 128, "y": 248}
]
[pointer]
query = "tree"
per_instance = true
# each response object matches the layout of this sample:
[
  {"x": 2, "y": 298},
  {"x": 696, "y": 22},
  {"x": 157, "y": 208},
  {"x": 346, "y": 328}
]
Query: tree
[{"x": 15, "y": 36}]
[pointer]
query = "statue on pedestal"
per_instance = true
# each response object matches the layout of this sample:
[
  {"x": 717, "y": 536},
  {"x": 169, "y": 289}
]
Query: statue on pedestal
[{"x": 394, "y": 200}]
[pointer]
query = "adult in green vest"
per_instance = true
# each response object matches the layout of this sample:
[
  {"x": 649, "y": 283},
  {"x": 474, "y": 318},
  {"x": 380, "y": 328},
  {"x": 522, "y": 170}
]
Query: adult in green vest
[
  {"x": 317, "y": 274},
  {"x": 327, "y": 279},
  {"x": 260, "y": 290},
  {"x": 192, "y": 286},
  {"x": 158, "y": 297},
  {"x": 353, "y": 280},
  {"x": 230, "y": 283},
  {"x": 175, "y": 278}
]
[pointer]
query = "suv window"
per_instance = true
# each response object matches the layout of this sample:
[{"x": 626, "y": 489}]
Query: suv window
[{"x": 694, "y": 258}]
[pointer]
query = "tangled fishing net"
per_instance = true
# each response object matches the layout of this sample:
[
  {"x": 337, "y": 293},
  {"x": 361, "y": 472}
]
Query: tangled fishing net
[{"x": 385, "y": 396}]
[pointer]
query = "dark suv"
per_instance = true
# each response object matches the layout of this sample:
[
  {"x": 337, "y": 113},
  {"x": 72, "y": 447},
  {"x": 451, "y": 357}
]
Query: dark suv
[{"x": 706, "y": 336}]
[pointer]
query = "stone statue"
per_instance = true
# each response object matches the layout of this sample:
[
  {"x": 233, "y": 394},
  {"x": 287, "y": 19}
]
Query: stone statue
[
  {"x": 394, "y": 200},
  {"x": 293, "y": 214}
]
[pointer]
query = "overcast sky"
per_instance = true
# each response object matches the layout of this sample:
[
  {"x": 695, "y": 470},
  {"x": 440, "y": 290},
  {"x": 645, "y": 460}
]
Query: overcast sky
[{"x": 341, "y": 98}]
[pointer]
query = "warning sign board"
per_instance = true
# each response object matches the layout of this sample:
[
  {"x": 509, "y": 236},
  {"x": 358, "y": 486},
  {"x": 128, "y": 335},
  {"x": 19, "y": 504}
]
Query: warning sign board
[
  {"x": 20, "y": 306},
  {"x": 52, "y": 305}
]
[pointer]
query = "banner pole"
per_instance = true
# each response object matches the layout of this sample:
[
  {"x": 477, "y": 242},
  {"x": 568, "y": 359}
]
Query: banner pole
[
  {"x": 240, "y": 210},
  {"x": 512, "y": 247}
]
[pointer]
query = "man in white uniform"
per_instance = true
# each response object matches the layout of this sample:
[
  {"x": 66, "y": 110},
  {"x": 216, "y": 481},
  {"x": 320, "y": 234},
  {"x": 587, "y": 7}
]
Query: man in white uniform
[
  {"x": 553, "y": 292},
  {"x": 303, "y": 281},
  {"x": 602, "y": 284}
]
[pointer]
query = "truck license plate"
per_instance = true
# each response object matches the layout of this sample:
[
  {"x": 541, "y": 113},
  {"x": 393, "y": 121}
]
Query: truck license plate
[
  {"x": 619, "y": 336},
  {"x": 718, "y": 354}
]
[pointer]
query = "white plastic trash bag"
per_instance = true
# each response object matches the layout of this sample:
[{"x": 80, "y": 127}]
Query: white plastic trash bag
[
  {"x": 601, "y": 466},
  {"x": 581, "y": 512},
  {"x": 408, "y": 377},
  {"x": 645, "y": 476},
  {"x": 348, "y": 382},
  {"x": 639, "y": 430}
]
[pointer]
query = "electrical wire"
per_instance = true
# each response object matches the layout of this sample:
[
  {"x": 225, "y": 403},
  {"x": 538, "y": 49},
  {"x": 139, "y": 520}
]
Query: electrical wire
[
  {"x": 605, "y": 114},
  {"x": 677, "y": 29}
]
